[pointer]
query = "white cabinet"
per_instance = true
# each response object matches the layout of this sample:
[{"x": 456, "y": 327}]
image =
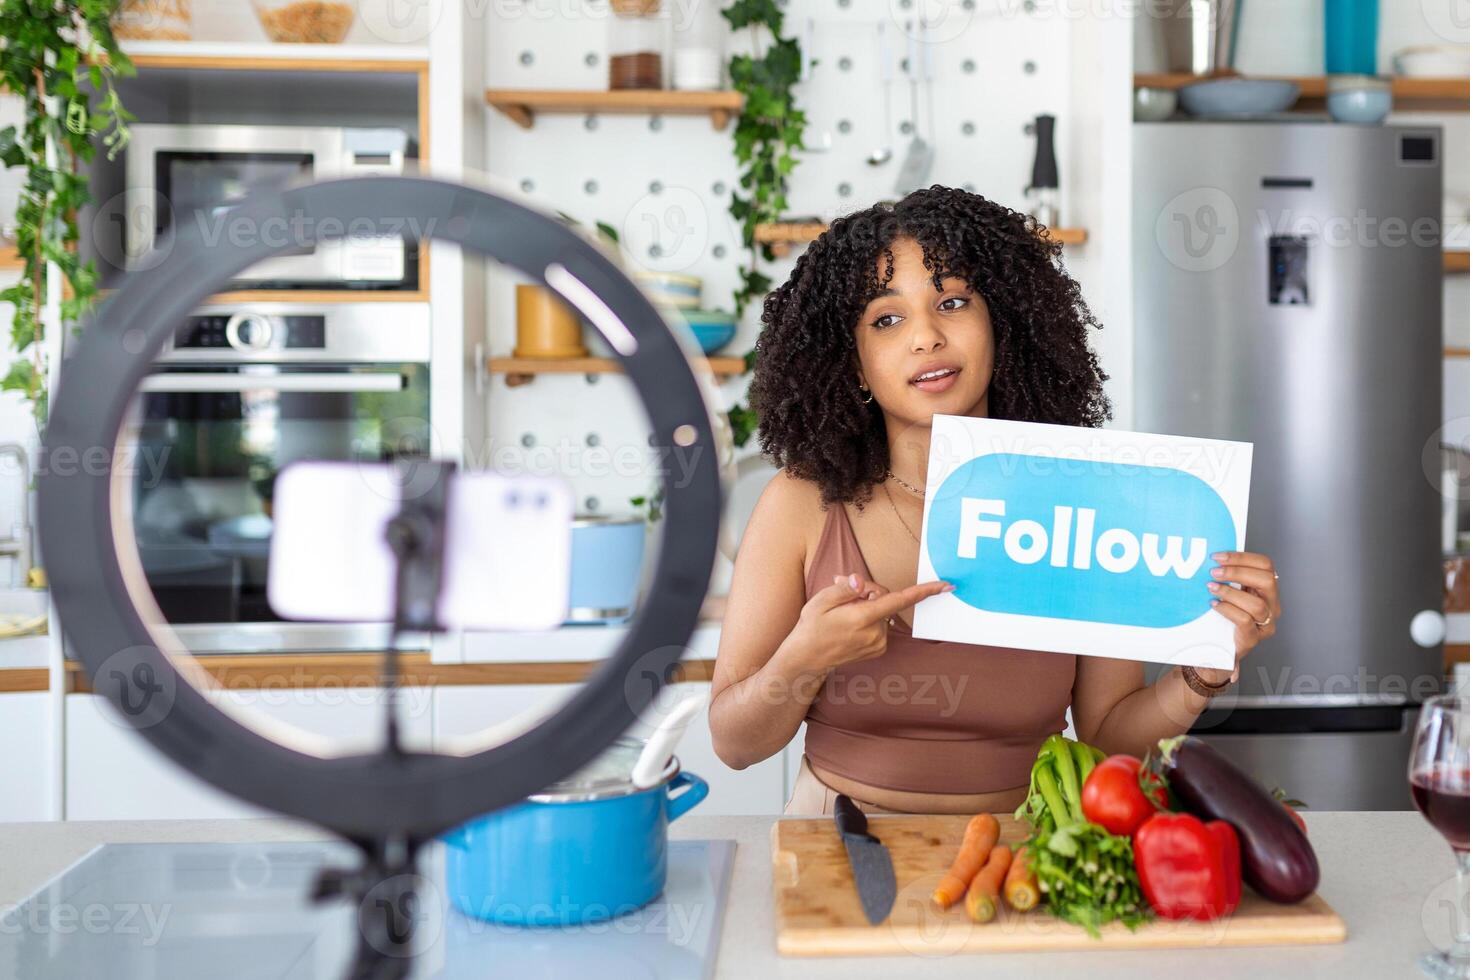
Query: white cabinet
[
  {"x": 112, "y": 773},
  {"x": 760, "y": 789},
  {"x": 25, "y": 732}
]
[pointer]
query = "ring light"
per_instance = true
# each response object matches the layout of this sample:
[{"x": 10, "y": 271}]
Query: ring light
[{"x": 96, "y": 581}]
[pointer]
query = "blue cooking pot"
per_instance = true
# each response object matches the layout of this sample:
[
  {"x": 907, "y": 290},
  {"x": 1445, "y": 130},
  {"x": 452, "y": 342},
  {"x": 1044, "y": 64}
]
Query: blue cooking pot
[{"x": 586, "y": 849}]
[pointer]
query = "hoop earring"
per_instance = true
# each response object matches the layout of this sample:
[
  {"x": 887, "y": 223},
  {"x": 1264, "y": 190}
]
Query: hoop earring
[{"x": 869, "y": 399}]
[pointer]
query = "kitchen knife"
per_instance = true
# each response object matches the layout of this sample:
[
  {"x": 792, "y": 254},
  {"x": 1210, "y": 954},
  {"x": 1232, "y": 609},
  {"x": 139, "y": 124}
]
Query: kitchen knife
[{"x": 872, "y": 866}]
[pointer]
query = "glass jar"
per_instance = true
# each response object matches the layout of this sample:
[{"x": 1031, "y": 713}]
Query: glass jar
[
  {"x": 154, "y": 20},
  {"x": 699, "y": 48},
  {"x": 635, "y": 44}
]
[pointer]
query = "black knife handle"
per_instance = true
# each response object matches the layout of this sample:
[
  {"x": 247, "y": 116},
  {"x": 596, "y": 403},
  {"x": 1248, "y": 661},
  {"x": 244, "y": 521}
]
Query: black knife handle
[{"x": 850, "y": 820}]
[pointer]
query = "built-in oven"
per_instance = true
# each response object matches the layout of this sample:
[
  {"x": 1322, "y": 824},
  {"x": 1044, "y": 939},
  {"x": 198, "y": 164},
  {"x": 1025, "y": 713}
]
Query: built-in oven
[
  {"x": 240, "y": 394},
  {"x": 183, "y": 175}
]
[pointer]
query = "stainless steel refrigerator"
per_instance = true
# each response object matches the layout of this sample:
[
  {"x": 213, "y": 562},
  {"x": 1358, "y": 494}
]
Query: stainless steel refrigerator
[{"x": 1287, "y": 292}]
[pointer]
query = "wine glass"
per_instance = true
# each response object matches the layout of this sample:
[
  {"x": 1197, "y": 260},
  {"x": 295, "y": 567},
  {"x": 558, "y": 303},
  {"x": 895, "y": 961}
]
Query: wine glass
[{"x": 1439, "y": 778}]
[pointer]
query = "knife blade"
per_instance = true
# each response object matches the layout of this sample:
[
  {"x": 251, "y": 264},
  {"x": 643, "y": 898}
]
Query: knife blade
[{"x": 872, "y": 865}]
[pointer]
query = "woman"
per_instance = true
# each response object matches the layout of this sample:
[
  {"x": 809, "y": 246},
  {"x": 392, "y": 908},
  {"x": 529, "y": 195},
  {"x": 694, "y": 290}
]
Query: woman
[{"x": 949, "y": 303}]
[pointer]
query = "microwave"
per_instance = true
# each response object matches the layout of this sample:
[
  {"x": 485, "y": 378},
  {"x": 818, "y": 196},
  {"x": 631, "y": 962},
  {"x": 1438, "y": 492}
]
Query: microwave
[{"x": 178, "y": 175}]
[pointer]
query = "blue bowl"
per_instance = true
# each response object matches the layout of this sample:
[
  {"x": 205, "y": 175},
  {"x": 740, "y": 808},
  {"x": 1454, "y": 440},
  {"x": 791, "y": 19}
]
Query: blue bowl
[
  {"x": 1238, "y": 97},
  {"x": 1364, "y": 106},
  {"x": 712, "y": 328}
]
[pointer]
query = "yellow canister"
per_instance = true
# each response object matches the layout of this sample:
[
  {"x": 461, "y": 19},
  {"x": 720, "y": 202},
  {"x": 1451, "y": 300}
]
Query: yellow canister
[{"x": 546, "y": 326}]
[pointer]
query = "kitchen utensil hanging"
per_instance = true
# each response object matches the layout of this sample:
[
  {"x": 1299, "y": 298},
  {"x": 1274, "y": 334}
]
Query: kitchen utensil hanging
[
  {"x": 919, "y": 158},
  {"x": 389, "y": 802},
  {"x": 822, "y": 143}
]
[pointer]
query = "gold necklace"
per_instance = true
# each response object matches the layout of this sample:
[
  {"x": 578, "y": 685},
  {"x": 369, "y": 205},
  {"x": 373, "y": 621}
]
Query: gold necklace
[
  {"x": 889, "y": 494},
  {"x": 910, "y": 488}
]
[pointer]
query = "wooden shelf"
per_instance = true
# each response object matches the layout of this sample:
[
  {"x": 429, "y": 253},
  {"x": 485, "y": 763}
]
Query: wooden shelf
[
  {"x": 1457, "y": 261},
  {"x": 10, "y": 258},
  {"x": 523, "y": 370},
  {"x": 1457, "y": 352},
  {"x": 264, "y": 56},
  {"x": 292, "y": 671},
  {"x": 522, "y": 105},
  {"x": 246, "y": 296},
  {"x": 321, "y": 296},
  {"x": 1418, "y": 94},
  {"x": 783, "y": 236}
]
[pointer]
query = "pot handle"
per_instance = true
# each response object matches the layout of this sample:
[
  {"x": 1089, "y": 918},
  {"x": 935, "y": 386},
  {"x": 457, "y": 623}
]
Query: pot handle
[{"x": 685, "y": 801}]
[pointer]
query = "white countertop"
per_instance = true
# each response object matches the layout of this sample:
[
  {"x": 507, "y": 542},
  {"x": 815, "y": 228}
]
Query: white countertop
[{"x": 1387, "y": 874}]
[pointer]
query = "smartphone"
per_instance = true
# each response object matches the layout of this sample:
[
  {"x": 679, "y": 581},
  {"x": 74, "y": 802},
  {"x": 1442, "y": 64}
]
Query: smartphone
[{"x": 507, "y": 554}]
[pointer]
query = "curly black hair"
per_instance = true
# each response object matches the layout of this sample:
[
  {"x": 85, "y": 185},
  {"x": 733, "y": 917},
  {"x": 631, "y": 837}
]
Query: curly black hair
[{"x": 813, "y": 421}]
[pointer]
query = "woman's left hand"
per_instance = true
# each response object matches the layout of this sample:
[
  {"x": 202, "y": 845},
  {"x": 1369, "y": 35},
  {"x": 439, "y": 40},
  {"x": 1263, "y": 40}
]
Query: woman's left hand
[{"x": 1253, "y": 604}]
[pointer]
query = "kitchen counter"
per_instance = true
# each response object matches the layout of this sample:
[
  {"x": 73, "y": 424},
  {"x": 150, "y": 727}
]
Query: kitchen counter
[{"x": 1388, "y": 874}]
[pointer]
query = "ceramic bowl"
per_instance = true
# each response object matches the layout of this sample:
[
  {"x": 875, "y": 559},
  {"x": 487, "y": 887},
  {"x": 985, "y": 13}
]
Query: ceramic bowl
[
  {"x": 1433, "y": 61},
  {"x": 1154, "y": 104},
  {"x": 1238, "y": 97},
  {"x": 1361, "y": 99}
]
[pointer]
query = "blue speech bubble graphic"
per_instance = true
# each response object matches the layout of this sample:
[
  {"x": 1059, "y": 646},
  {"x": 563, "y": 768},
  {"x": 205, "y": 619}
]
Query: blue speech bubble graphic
[{"x": 1076, "y": 539}]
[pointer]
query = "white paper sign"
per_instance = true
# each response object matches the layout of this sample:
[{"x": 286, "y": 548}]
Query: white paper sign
[{"x": 1080, "y": 540}]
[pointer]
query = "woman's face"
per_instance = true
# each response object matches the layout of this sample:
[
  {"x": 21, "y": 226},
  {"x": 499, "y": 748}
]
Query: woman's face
[{"x": 923, "y": 350}]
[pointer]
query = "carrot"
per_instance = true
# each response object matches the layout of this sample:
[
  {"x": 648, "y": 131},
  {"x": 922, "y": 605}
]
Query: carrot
[
  {"x": 982, "y": 900},
  {"x": 1020, "y": 887},
  {"x": 981, "y": 834}
]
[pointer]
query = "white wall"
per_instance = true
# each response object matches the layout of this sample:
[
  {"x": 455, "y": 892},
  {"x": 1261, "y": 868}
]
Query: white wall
[{"x": 1019, "y": 64}]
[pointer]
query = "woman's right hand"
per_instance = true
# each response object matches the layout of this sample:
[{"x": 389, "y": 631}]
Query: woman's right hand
[{"x": 848, "y": 620}]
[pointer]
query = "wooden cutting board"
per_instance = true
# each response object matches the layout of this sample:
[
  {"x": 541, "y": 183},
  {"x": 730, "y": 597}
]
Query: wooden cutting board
[{"x": 818, "y": 913}]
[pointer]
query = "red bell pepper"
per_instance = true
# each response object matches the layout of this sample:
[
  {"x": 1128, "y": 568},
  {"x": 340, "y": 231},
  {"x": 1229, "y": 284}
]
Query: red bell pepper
[{"x": 1189, "y": 869}]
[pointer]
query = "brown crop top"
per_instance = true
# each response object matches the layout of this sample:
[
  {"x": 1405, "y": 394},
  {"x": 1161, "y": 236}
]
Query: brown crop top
[{"x": 931, "y": 716}]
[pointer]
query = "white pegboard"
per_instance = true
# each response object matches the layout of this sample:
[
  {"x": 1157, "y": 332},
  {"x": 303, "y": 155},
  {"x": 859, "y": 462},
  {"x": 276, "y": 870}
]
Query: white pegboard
[{"x": 996, "y": 65}]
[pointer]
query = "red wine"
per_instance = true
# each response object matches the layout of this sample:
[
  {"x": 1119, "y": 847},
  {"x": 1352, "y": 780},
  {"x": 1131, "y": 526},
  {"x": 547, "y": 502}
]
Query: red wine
[{"x": 1442, "y": 794}]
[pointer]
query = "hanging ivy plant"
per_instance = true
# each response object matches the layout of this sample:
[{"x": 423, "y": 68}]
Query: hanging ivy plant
[
  {"x": 60, "y": 58},
  {"x": 768, "y": 133}
]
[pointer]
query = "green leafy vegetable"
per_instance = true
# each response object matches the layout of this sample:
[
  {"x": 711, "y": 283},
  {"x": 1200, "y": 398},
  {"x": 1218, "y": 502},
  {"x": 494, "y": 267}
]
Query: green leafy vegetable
[{"x": 1087, "y": 876}]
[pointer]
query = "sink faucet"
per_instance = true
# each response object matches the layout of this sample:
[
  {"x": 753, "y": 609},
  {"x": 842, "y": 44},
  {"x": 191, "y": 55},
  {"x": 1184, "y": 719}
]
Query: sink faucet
[{"x": 18, "y": 545}]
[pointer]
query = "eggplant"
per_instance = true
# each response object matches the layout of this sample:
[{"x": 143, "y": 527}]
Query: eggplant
[{"x": 1276, "y": 858}]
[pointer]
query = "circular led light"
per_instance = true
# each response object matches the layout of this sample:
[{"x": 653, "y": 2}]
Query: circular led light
[{"x": 96, "y": 580}]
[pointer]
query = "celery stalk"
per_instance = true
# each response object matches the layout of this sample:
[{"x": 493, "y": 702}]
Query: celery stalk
[{"x": 1067, "y": 776}]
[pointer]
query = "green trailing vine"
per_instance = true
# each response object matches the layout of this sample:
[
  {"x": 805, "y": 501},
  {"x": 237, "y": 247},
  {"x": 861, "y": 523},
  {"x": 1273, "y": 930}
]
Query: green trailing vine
[
  {"x": 768, "y": 133},
  {"x": 60, "y": 58}
]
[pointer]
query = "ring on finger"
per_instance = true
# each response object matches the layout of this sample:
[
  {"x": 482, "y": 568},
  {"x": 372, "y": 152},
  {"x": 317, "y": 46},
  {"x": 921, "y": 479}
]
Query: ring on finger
[{"x": 1263, "y": 623}]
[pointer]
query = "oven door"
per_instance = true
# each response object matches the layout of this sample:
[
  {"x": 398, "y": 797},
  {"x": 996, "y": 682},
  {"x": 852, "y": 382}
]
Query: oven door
[
  {"x": 182, "y": 176},
  {"x": 209, "y": 442}
]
